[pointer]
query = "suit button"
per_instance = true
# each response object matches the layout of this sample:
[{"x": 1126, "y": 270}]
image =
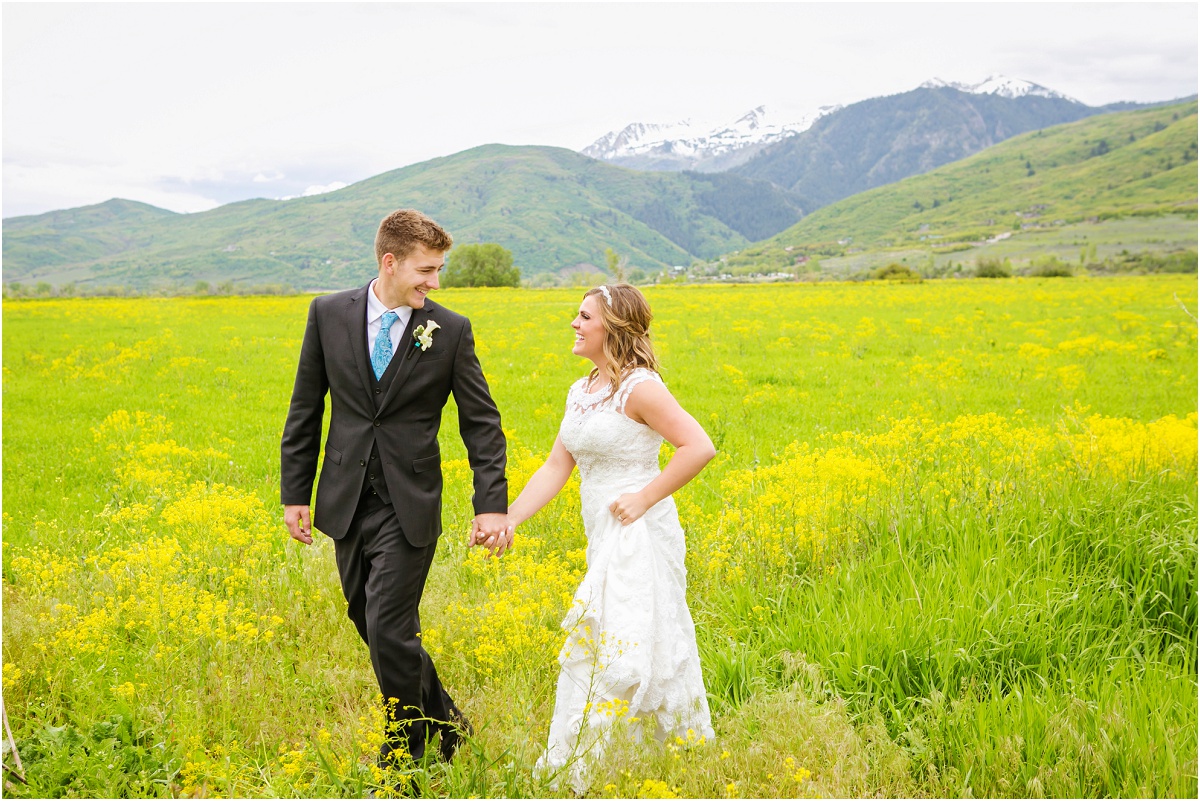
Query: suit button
[
  {"x": 362, "y": 462},
  {"x": 373, "y": 492},
  {"x": 376, "y": 422},
  {"x": 378, "y": 390},
  {"x": 372, "y": 478}
]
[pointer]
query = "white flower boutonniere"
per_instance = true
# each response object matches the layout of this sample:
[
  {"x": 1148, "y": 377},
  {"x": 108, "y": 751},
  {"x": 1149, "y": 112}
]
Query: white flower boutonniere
[{"x": 423, "y": 336}]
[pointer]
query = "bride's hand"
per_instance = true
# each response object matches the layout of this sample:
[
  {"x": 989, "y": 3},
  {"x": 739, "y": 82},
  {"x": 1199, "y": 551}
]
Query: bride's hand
[
  {"x": 628, "y": 508},
  {"x": 494, "y": 531}
]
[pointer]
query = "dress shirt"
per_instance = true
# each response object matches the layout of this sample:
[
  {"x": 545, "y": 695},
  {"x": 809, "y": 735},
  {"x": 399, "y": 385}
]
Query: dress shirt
[{"x": 375, "y": 312}]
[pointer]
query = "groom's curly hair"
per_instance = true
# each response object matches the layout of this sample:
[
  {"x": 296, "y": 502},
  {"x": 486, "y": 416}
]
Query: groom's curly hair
[
  {"x": 404, "y": 229},
  {"x": 626, "y": 320}
]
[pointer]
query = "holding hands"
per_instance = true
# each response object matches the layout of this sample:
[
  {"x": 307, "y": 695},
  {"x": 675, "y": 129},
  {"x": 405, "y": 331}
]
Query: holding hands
[{"x": 493, "y": 531}]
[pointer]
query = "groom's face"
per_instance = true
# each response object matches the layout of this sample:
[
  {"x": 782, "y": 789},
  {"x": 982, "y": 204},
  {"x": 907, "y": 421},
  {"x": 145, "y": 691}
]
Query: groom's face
[{"x": 407, "y": 281}]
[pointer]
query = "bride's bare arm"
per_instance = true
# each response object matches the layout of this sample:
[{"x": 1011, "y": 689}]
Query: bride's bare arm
[
  {"x": 653, "y": 404},
  {"x": 544, "y": 485}
]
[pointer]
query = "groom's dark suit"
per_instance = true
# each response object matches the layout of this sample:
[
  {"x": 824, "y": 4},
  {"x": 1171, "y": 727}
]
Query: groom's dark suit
[{"x": 380, "y": 492}]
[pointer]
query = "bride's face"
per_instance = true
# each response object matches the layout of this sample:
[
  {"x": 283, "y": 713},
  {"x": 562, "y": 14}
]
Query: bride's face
[{"x": 589, "y": 330}]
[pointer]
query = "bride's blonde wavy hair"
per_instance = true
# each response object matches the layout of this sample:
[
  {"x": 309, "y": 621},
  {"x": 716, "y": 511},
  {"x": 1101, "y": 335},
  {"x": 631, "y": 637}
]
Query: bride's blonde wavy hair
[{"x": 626, "y": 320}]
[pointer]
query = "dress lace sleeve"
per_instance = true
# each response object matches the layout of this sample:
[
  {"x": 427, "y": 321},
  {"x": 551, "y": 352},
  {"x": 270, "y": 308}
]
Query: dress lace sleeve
[
  {"x": 637, "y": 376},
  {"x": 578, "y": 400}
]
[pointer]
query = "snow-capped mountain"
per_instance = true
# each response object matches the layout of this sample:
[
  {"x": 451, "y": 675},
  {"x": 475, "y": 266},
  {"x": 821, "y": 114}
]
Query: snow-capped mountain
[
  {"x": 688, "y": 145},
  {"x": 1000, "y": 85}
]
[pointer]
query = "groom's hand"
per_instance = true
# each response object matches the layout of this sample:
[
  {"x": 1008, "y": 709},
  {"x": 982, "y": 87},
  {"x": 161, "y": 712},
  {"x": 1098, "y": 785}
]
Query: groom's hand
[
  {"x": 492, "y": 531},
  {"x": 298, "y": 522}
]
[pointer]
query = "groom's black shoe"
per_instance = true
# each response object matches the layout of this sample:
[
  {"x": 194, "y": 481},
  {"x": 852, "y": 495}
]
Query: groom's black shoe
[{"x": 453, "y": 732}]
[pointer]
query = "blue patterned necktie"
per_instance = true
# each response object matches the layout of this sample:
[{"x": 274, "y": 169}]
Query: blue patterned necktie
[{"x": 381, "y": 354}]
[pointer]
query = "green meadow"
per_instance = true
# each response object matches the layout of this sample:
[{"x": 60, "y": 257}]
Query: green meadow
[{"x": 947, "y": 548}]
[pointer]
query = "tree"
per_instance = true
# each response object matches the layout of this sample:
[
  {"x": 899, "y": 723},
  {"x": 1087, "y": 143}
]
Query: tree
[
  {"x": 616, "y": 264},
  {"x": 486, "y": 264}
]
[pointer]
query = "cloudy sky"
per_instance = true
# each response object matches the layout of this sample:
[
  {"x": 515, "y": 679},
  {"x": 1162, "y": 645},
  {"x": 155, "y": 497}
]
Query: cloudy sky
[{"x": 189, "y": 106}]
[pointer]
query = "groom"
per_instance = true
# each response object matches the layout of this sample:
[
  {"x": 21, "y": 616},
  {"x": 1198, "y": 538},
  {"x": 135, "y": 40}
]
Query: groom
[{"x": 389, "y": 358}]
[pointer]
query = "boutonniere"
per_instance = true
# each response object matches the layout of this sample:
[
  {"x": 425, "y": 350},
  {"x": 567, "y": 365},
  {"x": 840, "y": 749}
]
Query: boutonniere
[{"x": 423, "y": 336}]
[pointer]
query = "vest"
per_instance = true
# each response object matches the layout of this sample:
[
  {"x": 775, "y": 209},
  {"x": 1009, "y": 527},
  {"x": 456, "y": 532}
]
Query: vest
[{"x": 374, "y": 482}]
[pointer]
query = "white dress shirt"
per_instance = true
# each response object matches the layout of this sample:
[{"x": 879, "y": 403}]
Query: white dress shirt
[{"x": 375, "y": 312}]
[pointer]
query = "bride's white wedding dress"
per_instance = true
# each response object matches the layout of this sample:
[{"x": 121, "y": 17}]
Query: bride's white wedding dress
[{"x": 631, "y": 651}]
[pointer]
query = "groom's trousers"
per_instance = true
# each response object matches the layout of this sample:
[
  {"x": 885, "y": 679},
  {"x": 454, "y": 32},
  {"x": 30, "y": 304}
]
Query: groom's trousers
[{"x": 383, "y": 577}]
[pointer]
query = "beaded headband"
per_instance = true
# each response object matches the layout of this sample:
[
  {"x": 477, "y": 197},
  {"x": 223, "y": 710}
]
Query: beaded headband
[{"x": 607, "y": 295}]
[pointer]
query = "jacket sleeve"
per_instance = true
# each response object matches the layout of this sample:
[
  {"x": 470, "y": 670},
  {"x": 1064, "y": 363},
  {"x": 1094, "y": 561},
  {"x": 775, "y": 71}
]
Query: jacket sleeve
[
  {"x": 301, "y": 444},
  {"x": 479, "y": 426}
]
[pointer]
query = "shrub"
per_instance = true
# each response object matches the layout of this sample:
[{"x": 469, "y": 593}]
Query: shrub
[
  {"x": 896, "y": 272},
  {"x": 1180, "y": 261},
  {"x": 993, "y": 268},
  {"x": 1050, "y": 267}
]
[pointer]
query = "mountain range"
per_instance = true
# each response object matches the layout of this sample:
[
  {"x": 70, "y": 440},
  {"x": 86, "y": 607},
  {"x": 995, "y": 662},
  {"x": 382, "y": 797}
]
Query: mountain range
[
  {"x": 1134, "y": 163},
  {"x": 553, "y": 208},
  {"x": 835, "y": 152},
  {"x": 687, "y": 145},
  {"x": 558, "y": 210}
]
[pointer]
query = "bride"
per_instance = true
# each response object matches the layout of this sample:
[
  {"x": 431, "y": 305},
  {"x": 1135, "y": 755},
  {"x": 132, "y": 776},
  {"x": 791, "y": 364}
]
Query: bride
[{"x": 631, "y": 651}]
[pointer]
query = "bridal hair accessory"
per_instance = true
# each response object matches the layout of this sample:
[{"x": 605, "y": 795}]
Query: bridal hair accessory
[
  {"x": 423, "y": 337},
  {"x": 607, "y": 295}
]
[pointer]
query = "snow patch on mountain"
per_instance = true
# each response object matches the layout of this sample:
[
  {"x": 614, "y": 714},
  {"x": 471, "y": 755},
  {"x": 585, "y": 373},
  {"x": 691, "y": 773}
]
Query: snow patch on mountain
[
  {"x": 1000, "y": 85},
  {"x": 694, "y": 142}
]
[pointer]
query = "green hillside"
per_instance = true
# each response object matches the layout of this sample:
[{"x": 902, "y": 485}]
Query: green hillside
[
  {"x": 553, "y": 208},
  {"x": 1116, "y": 165},
  {"x": 87, "y": 233}
]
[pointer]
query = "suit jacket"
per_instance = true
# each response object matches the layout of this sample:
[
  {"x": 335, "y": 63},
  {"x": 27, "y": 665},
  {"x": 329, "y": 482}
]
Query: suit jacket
[{"x": 334, "y": 361}]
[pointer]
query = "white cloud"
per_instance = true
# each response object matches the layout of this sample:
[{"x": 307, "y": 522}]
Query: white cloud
[
  {"x": 320, "y": 190},
  {"x": 317, "y": 190},
  {"x": 318, "y": 93}
]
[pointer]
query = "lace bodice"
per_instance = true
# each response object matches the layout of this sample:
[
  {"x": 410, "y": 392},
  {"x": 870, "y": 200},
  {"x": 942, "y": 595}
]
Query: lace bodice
[{"x": 615, "y": 454}]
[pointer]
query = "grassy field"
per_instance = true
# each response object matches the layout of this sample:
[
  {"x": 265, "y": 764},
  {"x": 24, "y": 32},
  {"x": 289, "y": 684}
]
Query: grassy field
[
  {"x": 948, "y": 548},
  {"x": 1106, "y": 239}
]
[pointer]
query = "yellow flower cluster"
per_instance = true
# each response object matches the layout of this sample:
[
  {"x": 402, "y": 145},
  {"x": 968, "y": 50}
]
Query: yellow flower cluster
[
  {"x": 1123, "y": 447},
  {"x": 783, "y": 518},
  {"x": 188, "y": 577},
  {"x": 655, "y": 788}
]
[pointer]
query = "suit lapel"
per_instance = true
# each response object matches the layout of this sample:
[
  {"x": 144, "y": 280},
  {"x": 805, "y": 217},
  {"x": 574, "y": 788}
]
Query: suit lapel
[
  {"x": 358, "y": 336},
  {"x": 419, "y": 317}
]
